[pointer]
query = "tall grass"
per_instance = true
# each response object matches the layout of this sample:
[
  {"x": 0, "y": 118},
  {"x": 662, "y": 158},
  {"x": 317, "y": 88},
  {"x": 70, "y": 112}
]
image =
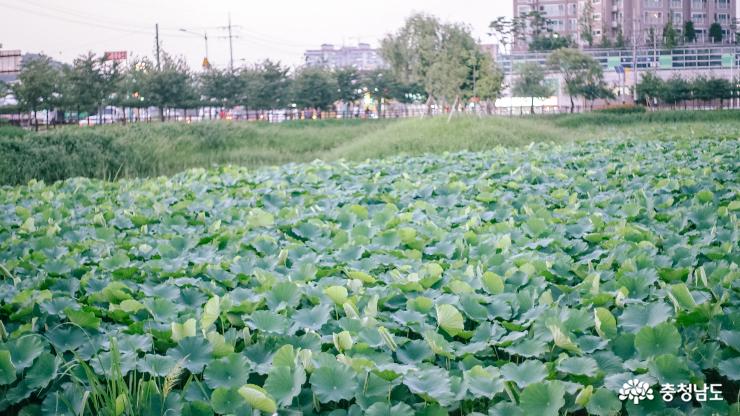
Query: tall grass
[{"x": 140, "y": 150}]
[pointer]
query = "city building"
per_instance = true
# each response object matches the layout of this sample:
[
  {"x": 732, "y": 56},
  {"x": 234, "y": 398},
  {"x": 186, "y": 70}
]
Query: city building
[
  {"x": 362, "y": 57},
  {"x": 640, "y": 20},
  {"x": 10, "y": 65}
]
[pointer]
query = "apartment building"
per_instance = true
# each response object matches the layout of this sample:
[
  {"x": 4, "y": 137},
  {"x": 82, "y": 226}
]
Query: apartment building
[
  {"x": 362, "y": 57},
  {"x": 638, "y": 20}
]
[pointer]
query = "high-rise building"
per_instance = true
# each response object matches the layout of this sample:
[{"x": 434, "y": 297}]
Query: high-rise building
[
  {"x": 641, "y": 21},
  {"x": 362, "y": 57}
]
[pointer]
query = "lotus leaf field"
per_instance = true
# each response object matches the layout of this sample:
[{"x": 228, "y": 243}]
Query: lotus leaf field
[{"x": 525, "y": 281}]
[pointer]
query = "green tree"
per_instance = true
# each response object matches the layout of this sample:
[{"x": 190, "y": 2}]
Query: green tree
[
  {"x": 90, "y": 82},
  {"x": 619, "y": 41},
  {"x": 650, "y": 87},
  {"x": 721, "y": 89},
  {"x": 716, "y": 34},
  {"x": 594, "y": 87},
  {"x": 689, "y": 32},
  {"x": 130, "y": 88},
  {"x": 382, "y": 86},
  {"x": 171, "y": 86},
  {"x": 314, "y": 88},
  {"x": 222, "y": 88},
  {"x": 436, "y": 56},
  {"x": 531, "y": 83},
  {"x": 675, "y": 90},
  {"x": 670, "y": 36},
  {"x": 577, "y": 69},
  {"x": 38, "y": 83},
  {"x": 488, "y": 80},
  {"x": 586, "y": 23},
  {"x": 268, "y": 85},
  {"x": 348, "y": 86}
]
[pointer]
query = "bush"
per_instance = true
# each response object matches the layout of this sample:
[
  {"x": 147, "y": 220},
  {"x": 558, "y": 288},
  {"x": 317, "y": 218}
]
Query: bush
[{"x": 623, "y": 109}]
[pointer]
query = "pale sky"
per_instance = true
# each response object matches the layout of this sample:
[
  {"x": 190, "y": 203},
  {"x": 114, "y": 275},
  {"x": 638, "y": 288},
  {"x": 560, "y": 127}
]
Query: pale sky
[{"x": 275, "y": 29}]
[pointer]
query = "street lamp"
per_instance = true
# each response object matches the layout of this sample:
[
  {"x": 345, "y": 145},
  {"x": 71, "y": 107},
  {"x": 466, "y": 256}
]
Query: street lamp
[{"x": 205, "y": 38}]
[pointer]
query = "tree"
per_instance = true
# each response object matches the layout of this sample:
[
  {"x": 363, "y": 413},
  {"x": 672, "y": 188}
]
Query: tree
[
  {"x": 670, "y": 36},
  {"x": 267, "y": 85},
  {"x": 720, "y": 88},
  {"x": 222, "y": 87},
  {"x": 382, "y": 86},
  {"x": 38, "y": 82},
  {"x": 131, "y": 86},
  {"x": 689, "y": 33},
  {"x": 487, "y": 81},
  {"x": 531, "y": 83},
  {"x": 675, "y": 90},
  {"x": 314, "y": 88},
  {"x": 594, "y": 87},
  {"x": 171, "y": 86},
  {"x": 619, "y": 41},
  {"x": 650, "y": 87},
  {"x": 90, "y": 82},
  {"x": 433, "y": 55},
  {"x": 348, "y": 86},
  {"x": 577, "y": 69},
  {"x": 586, "y": 23},
  {"x": 716, "y": 34}
]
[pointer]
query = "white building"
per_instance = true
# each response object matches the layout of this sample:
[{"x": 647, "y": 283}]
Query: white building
[{"x": 362, "y": 57}]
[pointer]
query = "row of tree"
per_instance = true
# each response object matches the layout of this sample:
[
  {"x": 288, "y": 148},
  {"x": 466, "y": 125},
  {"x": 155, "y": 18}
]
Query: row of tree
[
  {"x": 429, "y": 61},
  {"x": 676, "y": 91}
]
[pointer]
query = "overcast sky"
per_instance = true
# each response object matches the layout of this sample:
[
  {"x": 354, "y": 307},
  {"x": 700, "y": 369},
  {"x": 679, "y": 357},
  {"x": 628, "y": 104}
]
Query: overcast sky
[{"x": 276, "y": 29}]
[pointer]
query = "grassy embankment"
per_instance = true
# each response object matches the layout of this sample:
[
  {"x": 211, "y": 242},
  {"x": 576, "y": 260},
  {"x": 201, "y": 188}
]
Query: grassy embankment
[{"x": 162, "y": 149}]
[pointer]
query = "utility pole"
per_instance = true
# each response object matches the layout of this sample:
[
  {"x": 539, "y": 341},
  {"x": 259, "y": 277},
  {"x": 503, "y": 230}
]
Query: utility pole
[
  {"x": 634, "y": 59},
  {"x": 231, "y": 47},
  {"x": 156, "y": 36}
]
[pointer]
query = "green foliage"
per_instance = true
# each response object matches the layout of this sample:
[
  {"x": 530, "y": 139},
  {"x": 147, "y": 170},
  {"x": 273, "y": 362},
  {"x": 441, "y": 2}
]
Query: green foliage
[
  {"x": 689, "y": 32},
  {"x": 670, "y": 35},
  {"x": 716, "y": 34},
  {"x": 537, "y": 278},
  {"x": 314, "y": 88},
  {"x": 38, "y": 85},
  {"x": 531, "y": 83}
]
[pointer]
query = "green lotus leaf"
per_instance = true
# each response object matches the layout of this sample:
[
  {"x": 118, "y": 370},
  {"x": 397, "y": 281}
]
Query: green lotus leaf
[
  {"x": 385, "y": 409},
  {"x": 258, "y": 398},
  {"x": 268, "y": 321},
  {"x": 524, "y": 374},
  {"x": 543, "y": 399},
  {"x": 211, "y": 312},
  {"x": 433, "y": 382},
  {"x": 284, "y": 357},
  {"x": 683, "y": 296},
  {"x": 579, "y": 365},
  {"x": 450, "y": 319},
  {"x": 414, "y": 352},
  {"x": 260, "y": 218},
  {"x": 284, "y": 383},
  {"x": 43, "y": 370},
  {"x": 528, "y": 348},
  {"x": 283, "y": 295},
  {"x": 24, "y": 350},
  {"x": 156, "y": 365},
  {"x": 194, "y": 352},
  {"x": 336, "y": 293},
  {"x": 312, "y": 318},
  {"x": 493, "y": 283},
  {"x": 730, "y": 368},
  {"x": 635, "y": 317},
  {"x": 66, "y": 338},
  {"x": 669, "y": 369},
  {"x": 83, "y": 318},
  {"x": 661, "y": 339},
  {"x": 7, "y": 369},
  {"x": 731, "y": 338},
  {"x": 227, "y": 401},
  {"x": 184, "y": 330},
  {"x": 68, "y": 400},
  {"x": 606, "y": 325},
  {"x": 231, "y": 371},
  {"x": 333, "y": 382},
  {"x": 484, "y": 382},
  {"x": 361, "y": 276},
  {"x": 604, "y": 403}
]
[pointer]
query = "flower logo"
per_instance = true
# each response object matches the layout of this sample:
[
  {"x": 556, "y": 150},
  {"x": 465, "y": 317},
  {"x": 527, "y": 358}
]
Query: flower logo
[{"x": 635, "y": 390}]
